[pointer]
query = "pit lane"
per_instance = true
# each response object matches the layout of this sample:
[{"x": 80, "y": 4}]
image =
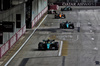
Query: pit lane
[{"x": 79, "y": 52}]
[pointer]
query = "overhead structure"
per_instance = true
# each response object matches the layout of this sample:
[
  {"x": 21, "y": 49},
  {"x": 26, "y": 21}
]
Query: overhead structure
[{"x": 53, "y": 1}]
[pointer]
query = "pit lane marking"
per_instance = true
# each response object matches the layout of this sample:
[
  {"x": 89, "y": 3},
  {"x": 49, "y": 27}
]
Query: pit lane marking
[
  {"x": 60, "y": 48},
  {"x": 64, "y": 48}
]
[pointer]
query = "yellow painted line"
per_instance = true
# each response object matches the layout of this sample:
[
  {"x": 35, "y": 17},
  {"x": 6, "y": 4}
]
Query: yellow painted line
[
  {"x": 52, "y": 37},
  {"x": 64, "y": 49}
]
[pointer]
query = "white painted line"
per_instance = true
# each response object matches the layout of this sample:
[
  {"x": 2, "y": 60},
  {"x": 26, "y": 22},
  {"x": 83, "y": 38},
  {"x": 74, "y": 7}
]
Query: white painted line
[
  {"x": 60, "y": 48},
  {"x": 25, "y": 42},
  {"x": 77, "y": 37},
  {"x": 95, "y": 48},
  {"x": 92, "y": 38}
]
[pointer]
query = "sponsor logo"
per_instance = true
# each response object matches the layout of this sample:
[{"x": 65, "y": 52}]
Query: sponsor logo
[{"x": 75, "y": 4}]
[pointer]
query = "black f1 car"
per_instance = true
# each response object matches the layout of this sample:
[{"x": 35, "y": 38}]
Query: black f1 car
[
  {"x": 60, "y": 15},
  {"x": 52, "y": 12},
  {"x": 67, "y": 25},
  {"x": 67, "y": 8},
  {"x": 48, "y": 45}
]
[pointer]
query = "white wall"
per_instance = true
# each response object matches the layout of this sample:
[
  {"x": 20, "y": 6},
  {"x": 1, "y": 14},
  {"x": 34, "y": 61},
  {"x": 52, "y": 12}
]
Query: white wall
[
  {"x": 37, "y": 7},
  {"x": 10, "y": 15}
]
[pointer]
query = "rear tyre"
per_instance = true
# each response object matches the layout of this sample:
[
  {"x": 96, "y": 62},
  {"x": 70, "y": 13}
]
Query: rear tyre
[
  {"x": 40, "y": 46},
  {"x": 70, "y": 9},
  {"x": 55, "y": 12},
  {"x": 73, "y": 27},
  {"x": 55, "y": 16},
  {"x": 56, "y": 45},
  {"x": 61, "y": 9},
  {"x": 64, "y": 16},
  {"x": 61, "y": 26}
]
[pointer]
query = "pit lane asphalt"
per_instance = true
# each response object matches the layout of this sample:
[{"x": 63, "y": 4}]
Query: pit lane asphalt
[{"x": 80, "y": 51}]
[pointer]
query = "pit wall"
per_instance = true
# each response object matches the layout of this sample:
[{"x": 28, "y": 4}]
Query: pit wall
[
  {"x": 5, "y": 47},
  {"x": 10, "y": 15},
  {"x": 10, "y": 38}
]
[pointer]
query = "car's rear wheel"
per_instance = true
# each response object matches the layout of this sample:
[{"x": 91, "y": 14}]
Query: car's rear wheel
[
  {"x": 71, "y": 9},
  {"x": 40, "y": 45},
  {"x": 56, "y": 45},
  {"x": 55, "y": 16},
  {"x": 61, "y": 9},
  {"x": 54, "y": 12},
  {"x": 61, "y": 26},
  {"x": 64, "y": 16}
]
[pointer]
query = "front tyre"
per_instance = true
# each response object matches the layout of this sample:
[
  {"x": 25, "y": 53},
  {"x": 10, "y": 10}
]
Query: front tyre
[{"x": 56, "y": 45}]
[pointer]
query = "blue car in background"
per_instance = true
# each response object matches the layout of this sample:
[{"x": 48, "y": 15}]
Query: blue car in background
[
  {"x": 48, "y": 45},
  {"x": 67, "y": 8},
  {"x": 67, "y": 25}
]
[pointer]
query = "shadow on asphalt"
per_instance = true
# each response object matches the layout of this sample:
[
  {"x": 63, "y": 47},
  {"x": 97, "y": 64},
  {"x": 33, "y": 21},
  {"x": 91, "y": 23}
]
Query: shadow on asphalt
[
  {"x": 42, "y": 50},
  {"x": 55, "y": 30}
]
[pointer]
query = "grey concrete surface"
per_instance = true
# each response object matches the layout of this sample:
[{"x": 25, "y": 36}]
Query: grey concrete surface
[{"x": 81, "y": 44}]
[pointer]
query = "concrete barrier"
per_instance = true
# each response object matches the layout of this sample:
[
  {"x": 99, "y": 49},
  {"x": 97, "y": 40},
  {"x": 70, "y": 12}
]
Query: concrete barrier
[
  {"x": 17, "y": 35},
  {"x": 4, "y": 48},
  {"x": 38, "y": 17},
  {"x": 54, "y": 7},
  {"x": 12, "y": 41}
]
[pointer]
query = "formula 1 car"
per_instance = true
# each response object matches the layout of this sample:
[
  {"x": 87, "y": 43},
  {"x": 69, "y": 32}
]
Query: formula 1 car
[
  {"x": 67, "y": 8},
  {"x": 52, "y": 12},
  {"x": 67, "y": 25},
  {"x": 60, "y": 15},
  {"x": 48, "y": 45}
]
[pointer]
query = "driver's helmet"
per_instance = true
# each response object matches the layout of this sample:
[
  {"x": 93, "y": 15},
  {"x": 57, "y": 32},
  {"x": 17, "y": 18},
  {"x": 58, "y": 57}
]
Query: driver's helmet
[{"x": 48, "y": 40}]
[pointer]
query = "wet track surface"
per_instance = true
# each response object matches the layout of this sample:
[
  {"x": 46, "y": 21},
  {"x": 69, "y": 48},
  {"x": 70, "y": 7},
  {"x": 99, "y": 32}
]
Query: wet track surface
[{"x": 78, "y": 47}]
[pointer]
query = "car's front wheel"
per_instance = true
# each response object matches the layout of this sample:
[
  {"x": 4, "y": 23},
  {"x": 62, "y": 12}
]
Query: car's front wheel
[{"x": 56, "y": 45}]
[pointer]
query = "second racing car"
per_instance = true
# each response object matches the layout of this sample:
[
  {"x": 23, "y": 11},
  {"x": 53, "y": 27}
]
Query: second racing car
[
  {"x": 52, "y": 12},
  {"x": 60, "y": 15},
  {"x": 67, "y": 8},
  {"x": 48, "y": 45},
  {"x": 67, "y": 25}
]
